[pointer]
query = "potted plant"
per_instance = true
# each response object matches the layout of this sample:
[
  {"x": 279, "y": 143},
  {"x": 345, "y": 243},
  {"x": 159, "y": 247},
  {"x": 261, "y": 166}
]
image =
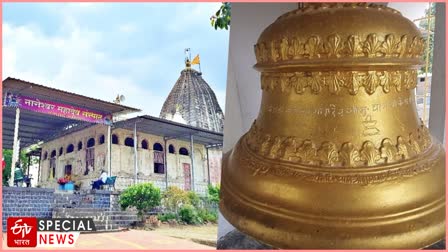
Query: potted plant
[
  {"x": 62, "y": 182},
  {"x": 65, "y": 183}
]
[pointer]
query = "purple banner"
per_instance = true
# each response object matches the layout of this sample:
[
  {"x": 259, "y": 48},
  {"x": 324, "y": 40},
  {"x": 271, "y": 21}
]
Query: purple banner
[{"x": 57, "y": 109}]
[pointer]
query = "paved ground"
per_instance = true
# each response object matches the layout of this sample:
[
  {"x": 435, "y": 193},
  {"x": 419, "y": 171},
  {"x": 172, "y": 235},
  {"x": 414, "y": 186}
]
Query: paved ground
[
  {"x": 203, "y": 234},
  {"x": 132, "y": 239}
]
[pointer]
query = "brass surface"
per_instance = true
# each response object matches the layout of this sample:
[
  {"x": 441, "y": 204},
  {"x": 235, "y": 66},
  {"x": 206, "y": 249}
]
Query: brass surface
[{"x": 337, "y": 157}]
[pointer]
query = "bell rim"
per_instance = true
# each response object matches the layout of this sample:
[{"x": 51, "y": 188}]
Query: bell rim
[
  {"x": 428, "y": 216},
  {"x": 361, "y": 243}
]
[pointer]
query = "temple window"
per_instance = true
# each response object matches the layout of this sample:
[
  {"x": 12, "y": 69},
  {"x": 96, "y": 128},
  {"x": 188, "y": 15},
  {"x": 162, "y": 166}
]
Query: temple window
[
  {"x": 114, "y": 139},
  {"x": 101, "y": 139},
  {"x": 158, "y": 159},
  {"x": 145, "y": 144},
  {"x": 129, "y": 142},
  {"x": 80, "y": 145},
  {"x": 171, "y": 149},
  {"x": 183, "y": 151},
  {"x": 70, "y": 148},
  {"x": 91, "y": 142}
]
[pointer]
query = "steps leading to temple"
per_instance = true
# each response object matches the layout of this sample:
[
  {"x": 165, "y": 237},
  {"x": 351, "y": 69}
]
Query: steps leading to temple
[{"x": 104, "y": 219}]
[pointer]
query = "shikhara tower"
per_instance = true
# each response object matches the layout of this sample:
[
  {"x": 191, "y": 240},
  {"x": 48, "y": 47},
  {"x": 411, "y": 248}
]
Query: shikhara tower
[{"x": 193, "y": 102}]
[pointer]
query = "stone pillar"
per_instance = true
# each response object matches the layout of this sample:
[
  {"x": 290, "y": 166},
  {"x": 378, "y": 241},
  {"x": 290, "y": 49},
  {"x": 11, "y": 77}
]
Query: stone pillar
[
  {"x": 15, "y": 148},
  {"x": 192, "y": 161},
  {"x": 109, "y": 149},
  {"x": 135, "y": 154}
]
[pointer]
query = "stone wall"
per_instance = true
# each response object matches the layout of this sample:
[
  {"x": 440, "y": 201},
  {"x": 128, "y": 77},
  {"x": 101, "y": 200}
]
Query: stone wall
[
  {"x": 21, "y": 201},
  {"x": 201, "y": 188},
  {"x": 98, "y": 199}
]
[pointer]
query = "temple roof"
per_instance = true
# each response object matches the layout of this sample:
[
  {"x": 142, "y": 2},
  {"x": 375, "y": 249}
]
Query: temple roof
[{"x": 193, "y": 102}]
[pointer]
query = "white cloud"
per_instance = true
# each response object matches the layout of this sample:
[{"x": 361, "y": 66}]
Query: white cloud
[
  {"x": 74, "y": 59},
  {"x": 70, "y": 63},
  {"x": 127, "y": 28}
]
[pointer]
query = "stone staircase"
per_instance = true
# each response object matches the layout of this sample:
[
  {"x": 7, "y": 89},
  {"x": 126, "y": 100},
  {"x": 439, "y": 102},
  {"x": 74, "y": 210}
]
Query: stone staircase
[
  {"x": 104, "y": 219},
  {"x": 83, "y": 200},
  {"x": 101, "y": 206}
]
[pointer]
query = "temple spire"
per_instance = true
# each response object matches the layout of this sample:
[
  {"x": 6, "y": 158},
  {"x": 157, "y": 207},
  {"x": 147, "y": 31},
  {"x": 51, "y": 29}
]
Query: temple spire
[{"x": 193, "y": 100}]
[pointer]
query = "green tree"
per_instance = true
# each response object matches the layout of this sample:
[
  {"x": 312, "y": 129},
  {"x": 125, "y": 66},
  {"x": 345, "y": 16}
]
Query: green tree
[
  {"x": 7, "y": 155},
  {"x": 424, "y": 24},
  {"x": 143, "y": 197},
  {"x": 222, "y": 17},
  {"x": 189, "y": 214},
  {"x": 174, "y": 197},
  {"x": 213, "y": 193}
]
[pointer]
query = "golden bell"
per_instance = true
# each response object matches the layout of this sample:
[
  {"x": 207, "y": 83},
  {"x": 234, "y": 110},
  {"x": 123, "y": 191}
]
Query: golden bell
[{"x": 337, "y": 157}]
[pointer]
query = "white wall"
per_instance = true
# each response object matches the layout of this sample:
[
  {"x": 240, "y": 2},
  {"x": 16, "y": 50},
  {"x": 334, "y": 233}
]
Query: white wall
[
  {"x": 437, "y": 111},
  {"x": 243, "y": 82}
]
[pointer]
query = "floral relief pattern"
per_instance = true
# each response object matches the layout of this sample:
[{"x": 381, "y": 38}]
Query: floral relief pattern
[
  {"x": 333, "y": 46},
  {"x": 349, "y": 155},
  {"x": 298, "y": 82},
  {"x": 307, "y": 152},
  {"x": 336, "y": 46},
  {"x": 309, "y": 7}
]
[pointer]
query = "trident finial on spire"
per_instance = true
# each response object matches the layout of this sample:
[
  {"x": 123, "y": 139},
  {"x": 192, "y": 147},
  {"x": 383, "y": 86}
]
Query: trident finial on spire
[{"x": 187, "y": 57}]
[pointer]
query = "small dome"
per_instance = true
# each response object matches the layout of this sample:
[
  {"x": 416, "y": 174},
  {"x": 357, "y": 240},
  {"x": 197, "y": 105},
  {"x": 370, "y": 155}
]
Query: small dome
[
  {"x": 192, "y": 99},
  {"x": 335, "y": 34}
]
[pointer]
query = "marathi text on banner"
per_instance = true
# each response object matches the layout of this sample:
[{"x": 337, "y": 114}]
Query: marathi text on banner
[{"x": 57, "y": 109}]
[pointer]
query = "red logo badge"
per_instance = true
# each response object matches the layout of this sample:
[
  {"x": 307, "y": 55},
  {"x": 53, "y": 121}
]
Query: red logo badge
[{"x": 22, "y": 231}]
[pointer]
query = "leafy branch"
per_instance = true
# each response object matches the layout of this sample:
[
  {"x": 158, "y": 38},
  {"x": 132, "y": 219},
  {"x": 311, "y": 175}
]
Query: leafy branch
[{"x": 221, "y": 19}]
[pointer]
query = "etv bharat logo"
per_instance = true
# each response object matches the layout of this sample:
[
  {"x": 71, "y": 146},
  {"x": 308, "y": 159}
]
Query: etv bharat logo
[
  {"x": 46, "y": 232},
  {"x": 18, "y": 229},
  {"x": 22, "y": 232}
]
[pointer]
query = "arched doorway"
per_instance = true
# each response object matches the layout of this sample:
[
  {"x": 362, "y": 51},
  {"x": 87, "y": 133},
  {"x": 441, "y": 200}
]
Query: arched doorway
[
  {"x": 90, "y": 156},
  {"x": 52, "y": 164},
  {"x": 159, "y": 158}
]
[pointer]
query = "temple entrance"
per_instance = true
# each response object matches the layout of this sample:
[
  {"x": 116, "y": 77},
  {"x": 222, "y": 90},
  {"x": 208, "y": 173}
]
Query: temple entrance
[
  {"x": 52, "y": 168},
  {"x": 68, "y": 170},
  {"x": 159, "y": 159},
  {"x": 187, "y": 176},
  {"x": 90, "y": 160},
  {"x": 53, "y": 164}
]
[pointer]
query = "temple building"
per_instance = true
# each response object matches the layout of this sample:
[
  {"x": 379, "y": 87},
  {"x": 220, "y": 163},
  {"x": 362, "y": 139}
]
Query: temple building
[
  {"x": 82, "y": 154},
  {"x": 182, "y": 148}
]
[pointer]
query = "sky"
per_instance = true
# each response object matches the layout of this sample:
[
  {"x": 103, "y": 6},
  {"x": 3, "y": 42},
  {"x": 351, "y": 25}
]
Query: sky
[{"x": 104, "y": 49}]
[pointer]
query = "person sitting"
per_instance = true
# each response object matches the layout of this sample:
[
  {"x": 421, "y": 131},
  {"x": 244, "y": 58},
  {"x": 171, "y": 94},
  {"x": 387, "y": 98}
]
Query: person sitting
[{"x": 101, "y": 181}]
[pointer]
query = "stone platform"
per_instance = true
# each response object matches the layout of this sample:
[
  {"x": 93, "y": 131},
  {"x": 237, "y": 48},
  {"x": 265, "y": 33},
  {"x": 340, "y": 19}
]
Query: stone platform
[{"x": 100, "y": 205}]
